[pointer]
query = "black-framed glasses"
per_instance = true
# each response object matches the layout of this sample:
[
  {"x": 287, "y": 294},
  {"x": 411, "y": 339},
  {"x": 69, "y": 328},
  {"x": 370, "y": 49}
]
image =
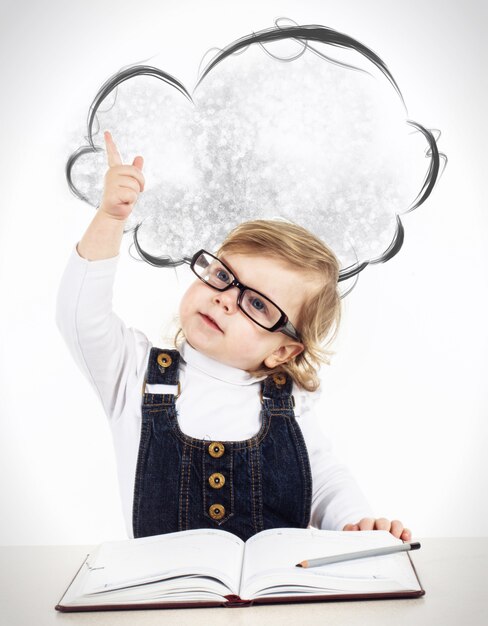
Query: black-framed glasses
[{"x": 259, "y": 308}]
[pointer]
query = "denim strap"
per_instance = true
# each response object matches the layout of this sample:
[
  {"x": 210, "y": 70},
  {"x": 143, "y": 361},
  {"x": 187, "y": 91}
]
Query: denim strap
[
  {"x": 165, "y": 374},
  {"x": 276, "y": 392}
]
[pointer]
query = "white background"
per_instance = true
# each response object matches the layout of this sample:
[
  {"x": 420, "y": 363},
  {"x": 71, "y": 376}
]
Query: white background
[{"x": 405, "y": 399}]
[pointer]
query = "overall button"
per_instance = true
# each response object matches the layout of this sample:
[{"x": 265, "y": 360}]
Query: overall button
[
  {"x": 216, "y": 511},
  {"x": 216, "y": 480},
  {"x": 280, "y": 379},
  {"x": 164, "y": 359},
  {"x": 216, "y": 449}
]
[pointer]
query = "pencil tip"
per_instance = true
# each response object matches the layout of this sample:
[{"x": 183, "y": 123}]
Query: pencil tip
[{"x": 298, "y": 565}]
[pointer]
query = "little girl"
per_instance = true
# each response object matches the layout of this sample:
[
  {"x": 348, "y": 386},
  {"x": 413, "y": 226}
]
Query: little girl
[{"x": 220, "y": 432}]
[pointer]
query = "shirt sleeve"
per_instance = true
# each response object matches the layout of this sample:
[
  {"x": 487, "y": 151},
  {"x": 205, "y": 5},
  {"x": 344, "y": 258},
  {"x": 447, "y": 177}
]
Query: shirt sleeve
[
  {"x": 337, "y": 499},
  {"x": 111, "y": 356}
]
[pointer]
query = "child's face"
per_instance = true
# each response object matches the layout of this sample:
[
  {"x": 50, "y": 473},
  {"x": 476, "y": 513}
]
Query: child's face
[{"x": 238, "y": 341}]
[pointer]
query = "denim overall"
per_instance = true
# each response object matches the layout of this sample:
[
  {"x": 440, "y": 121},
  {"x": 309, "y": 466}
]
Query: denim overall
[{"x": 240, "y": 486}]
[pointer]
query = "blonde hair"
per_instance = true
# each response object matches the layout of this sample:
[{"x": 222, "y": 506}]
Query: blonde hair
[{"x": 320, "y": 314}]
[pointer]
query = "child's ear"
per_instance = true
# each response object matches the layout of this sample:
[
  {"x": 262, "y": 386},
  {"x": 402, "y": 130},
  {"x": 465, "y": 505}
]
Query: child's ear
[{"x": 283, "y": 354}]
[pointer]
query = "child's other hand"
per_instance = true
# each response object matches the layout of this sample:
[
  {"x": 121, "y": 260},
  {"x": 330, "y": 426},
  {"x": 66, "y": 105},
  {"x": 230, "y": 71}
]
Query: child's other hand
[
  {"x": 123, "y": 183},
  {"x": 395, "y": 527}
]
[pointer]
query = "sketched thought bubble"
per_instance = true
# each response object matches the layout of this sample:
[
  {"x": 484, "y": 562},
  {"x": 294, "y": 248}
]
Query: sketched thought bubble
[{"x": 275, "y": 127}]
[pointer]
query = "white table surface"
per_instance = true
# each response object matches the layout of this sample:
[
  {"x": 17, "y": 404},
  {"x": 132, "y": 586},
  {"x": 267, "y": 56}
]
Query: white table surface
[{"x": 453, "y": 572}]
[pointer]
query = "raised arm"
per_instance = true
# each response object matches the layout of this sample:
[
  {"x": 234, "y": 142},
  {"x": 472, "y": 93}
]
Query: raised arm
[
  {"x": 122, "y": 186},
  {"x": 111, "y": 356}
]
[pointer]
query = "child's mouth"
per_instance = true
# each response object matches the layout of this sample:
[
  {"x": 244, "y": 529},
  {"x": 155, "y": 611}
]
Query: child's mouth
[{"x": 209, "y": 321}]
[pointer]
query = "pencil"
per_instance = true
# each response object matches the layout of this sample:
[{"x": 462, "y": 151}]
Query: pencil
[{"x": 349, "y": 556}]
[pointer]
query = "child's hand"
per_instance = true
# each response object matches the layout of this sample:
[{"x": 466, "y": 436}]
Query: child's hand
[
  {"x": 123, "y": 183},
  {"x": 395, "y": 527}
]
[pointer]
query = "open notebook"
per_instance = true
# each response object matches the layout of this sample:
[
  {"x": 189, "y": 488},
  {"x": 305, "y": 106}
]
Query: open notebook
[{"x": 215, "y": 568}]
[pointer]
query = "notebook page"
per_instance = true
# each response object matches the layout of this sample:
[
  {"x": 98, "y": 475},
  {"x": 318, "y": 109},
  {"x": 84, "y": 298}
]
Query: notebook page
[
  {"x": 120, "y": 564},
  {"x": 271, "y": 556},
  {"x": 187, "y": 589}
]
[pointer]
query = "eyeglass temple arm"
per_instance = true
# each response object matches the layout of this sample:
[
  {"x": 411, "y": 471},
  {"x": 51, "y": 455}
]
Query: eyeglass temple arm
[{"x": 289, "y": 330}]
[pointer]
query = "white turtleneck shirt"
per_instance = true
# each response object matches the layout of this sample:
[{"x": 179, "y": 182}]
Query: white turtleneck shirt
[{"x": 217, "y": 402}]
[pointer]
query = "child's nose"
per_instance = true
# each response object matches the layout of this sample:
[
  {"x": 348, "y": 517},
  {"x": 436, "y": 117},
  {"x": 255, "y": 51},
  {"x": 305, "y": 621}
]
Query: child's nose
[{"x": 228, "y": 299}]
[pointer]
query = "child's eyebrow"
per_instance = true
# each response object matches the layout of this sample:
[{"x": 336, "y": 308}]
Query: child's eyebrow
[
  {"x": 233, "y": 272},
  {"x": 221, "y": 258},
  {"x": 228, "y": 264}
]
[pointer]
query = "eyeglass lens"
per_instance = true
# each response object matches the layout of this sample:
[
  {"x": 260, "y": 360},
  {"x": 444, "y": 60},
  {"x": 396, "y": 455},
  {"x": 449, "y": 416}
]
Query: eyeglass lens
[{"x": 259, "y": 308}]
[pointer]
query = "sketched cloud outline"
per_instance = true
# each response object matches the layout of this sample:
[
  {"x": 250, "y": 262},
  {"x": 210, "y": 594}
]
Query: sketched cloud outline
[{"x": 306, "y": 37}]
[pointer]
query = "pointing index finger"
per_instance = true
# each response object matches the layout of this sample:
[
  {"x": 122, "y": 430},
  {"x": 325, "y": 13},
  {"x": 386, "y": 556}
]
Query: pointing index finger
[{"x": 113, "y": 156}]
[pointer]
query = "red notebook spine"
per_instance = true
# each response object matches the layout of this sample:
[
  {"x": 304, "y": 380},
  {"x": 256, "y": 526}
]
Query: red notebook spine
[{"x": 236, "y": 602}]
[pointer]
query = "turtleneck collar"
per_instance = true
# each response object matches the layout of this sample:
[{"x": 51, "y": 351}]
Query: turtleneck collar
[{"x": 216, "y": 369}]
